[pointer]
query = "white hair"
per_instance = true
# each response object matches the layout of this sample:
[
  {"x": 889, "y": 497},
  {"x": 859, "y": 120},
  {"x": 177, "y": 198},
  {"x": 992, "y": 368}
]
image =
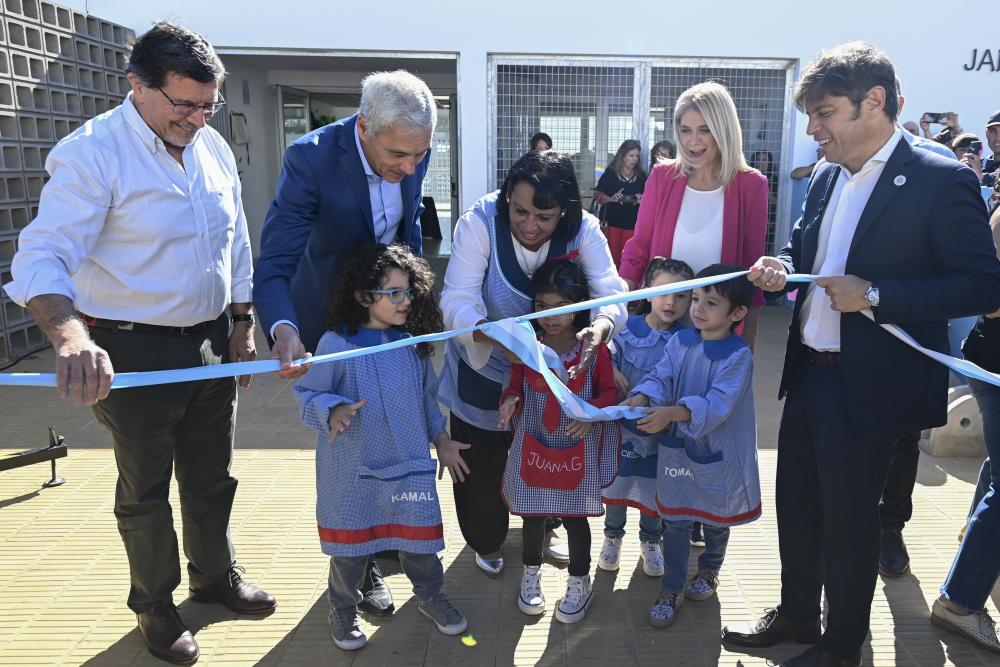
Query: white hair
[{"x": 390, "y": 98}]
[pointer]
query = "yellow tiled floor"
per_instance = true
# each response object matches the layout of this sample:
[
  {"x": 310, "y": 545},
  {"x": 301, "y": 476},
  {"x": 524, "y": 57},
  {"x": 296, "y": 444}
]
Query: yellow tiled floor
[{"x": 64, "y": 577}]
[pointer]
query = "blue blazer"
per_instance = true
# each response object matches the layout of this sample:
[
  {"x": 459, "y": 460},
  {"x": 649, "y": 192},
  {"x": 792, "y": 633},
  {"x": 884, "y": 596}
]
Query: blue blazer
[
  {"x": 928, "y": 248},
  {"x": 321, "y": 213}
]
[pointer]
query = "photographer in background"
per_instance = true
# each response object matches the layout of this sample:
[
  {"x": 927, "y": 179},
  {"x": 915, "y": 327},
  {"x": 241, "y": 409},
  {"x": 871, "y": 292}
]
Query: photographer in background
[
  {"x": 619, "y": 190},
  {"x": 987, "y": 169},
  {"x": 948, "y": 133},
  {"x": 967, "y": 145}
]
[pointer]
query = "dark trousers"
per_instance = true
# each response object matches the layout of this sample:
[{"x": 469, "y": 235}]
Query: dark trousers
[
  {"x": 185, "y": 427},
  {"x": 577, "y": 533},
  {"x": 830, "y": 478},
  {"x": 896, "y": 506},
  {"x": 482, "y": 515}
]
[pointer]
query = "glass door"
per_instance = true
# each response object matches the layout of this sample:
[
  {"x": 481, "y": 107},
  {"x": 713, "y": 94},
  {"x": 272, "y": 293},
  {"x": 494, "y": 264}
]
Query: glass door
[{"x": 293, "y": 111}]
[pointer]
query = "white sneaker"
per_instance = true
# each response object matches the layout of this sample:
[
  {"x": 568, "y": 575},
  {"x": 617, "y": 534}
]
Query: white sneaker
[
  {"x": 652, "y": 558},
  {"x": 556, "y": 548},
  {"x": 611, "y": 554},
  {"x": 579, "y": 594},
  {"x": 531, "y": 601},
  {"x": 978, "y": 627}
]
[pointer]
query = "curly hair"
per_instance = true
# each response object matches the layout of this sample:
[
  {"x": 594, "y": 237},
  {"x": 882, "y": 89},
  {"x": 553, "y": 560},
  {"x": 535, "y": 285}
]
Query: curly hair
[{"x": 366, "y": 269}]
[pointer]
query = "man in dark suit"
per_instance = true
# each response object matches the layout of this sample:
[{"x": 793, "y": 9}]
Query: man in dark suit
[
  {"x": 354, "y": 182},
  {"x": 901, "y": 232}
]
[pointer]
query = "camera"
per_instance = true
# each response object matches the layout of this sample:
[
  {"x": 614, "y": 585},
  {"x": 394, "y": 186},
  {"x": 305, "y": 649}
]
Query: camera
[
  {"x": 630, "y": 199},
  {"x": 939, "y": 118},
  {"x": 975, "y": 147}
]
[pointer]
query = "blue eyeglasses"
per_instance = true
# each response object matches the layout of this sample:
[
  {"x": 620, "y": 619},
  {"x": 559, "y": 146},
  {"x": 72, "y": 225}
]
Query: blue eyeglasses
[{"x": 396, "y": 296}]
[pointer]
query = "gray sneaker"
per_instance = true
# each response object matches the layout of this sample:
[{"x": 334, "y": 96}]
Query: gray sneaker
[
  {"x": 702, "y": 586},
  {"x": 978, "y": 627},
  {"x": 345, "y": 627},
  {"x": 447, "y": 619},
  {"x": 665, "y": 608}
]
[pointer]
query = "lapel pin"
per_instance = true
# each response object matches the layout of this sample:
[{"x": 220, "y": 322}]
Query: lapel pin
[{"x": 899, "y": 180}]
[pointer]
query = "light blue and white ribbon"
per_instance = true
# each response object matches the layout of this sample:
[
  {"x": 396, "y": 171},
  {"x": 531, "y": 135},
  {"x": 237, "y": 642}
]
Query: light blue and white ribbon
[{"x": 513, "y": 333}]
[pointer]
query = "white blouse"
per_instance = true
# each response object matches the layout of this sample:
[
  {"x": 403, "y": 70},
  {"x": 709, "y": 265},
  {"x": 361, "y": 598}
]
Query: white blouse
[{"x": 698, "y": 234}]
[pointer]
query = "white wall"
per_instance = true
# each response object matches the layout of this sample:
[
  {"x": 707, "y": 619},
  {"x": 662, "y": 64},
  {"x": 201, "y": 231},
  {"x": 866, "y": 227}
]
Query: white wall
[
  {"x": 261, "y": 174},
  {"x": 929, "y": 60}
]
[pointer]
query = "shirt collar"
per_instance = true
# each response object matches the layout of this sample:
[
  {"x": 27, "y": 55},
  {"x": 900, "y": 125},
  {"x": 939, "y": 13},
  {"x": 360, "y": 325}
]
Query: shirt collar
[
  {"x": 716, "y": 350},
  {"x": 369, "y": 172},
  {"x": 640, "y": 328},
  {"x": 366, "y": 337},
  {"x": 149, "y": 138},
  {"x": 880, "y": 158}
]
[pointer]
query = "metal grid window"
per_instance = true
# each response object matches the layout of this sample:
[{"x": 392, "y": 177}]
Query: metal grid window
[
  {"x": 587, "y": 110},
  {"x": 589, "y": 106},
  {"x": 759, "y": 95}
]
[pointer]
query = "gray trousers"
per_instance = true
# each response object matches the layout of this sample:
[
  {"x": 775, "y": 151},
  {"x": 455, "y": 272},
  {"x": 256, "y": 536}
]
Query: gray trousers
[
  {"x": 185, "y": 428},
  {"x": 347, "y": 573}
]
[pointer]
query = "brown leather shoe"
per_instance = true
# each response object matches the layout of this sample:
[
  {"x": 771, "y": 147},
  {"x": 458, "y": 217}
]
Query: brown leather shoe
[
  {"x": 816, "y": 657},
  {"x": 237, "y": 595},
  {"x": 166, "y": 636},
  {"x": 770, "y": 629}
]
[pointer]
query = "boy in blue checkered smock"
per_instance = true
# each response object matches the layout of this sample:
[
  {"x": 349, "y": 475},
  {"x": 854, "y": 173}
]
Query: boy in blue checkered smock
[
  {"x": 701, "y": 394},
  {"x": 557, "y": 466},
  {"x": 636, "y": 351},
  {"x": 374, "y": 474}
]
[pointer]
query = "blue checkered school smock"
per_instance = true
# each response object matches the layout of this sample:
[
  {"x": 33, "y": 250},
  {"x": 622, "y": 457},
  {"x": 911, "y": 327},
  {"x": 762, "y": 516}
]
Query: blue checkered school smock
[
  {"x": 375, "y": 484},
  {"x": 599, "y": 452},
  {"x": 637, "y": 350},
  {"x": 707, "y": 467}
]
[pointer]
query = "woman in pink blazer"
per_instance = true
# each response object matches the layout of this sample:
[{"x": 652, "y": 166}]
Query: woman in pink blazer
[{"x": 706, "y": 206}]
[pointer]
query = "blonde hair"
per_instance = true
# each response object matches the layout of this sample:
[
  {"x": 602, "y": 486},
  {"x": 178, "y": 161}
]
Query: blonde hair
[{"x": 716, "y": 106}]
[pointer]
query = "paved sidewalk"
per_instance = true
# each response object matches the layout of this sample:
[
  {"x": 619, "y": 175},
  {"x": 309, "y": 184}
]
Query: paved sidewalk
[{"x": 63, "y": 574}]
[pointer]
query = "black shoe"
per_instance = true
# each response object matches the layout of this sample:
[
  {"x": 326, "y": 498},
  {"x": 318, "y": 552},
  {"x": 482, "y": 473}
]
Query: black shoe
[
  {"x": 893, "y": 561},
  {"x": 697, "y": 539},
  {"x": 770, "y": 629},
  {"x": 235, "y": 594},
  {"x": 166, "y": 636},
  {"x": 817, "y": 657},
  {"x": 376, "y": 596}
]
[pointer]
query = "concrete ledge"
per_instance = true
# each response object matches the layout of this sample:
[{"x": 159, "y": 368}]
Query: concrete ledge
[{"x": 963, "y": 434}]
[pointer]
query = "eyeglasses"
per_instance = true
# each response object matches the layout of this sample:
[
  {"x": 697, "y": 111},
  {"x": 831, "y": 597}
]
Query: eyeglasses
[
  {"x": 186, "y": 108},
  {"x": 396, "y": 296}
]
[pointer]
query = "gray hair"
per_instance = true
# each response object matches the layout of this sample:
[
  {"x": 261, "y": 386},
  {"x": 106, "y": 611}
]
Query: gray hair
[{"x": 389, "y": 98}]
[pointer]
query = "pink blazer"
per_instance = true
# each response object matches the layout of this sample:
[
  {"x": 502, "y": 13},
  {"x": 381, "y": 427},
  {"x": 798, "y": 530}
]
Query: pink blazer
[{"x": 744, "y": 221}]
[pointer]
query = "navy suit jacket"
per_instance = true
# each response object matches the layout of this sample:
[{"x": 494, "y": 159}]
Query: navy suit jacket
[
  {"x": 927, "y": 246},
  {"x": 321, "y": 213}
]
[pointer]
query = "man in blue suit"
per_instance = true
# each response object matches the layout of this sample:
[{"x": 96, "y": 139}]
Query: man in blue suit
[
  {"x": 345, "y": 185},
  {"x": 902, "y": 232}
]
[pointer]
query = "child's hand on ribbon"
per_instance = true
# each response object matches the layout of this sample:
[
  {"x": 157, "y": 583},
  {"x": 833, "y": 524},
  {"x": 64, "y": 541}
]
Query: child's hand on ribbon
[
  {"x": 507, "y": 409},
  {"x": 341, "y": 416},
  {"x": 656, "y": 420},
  {"x": 636, "y": 401},
  {"x": 449, "y": 456},
  {"x": 578, "y": 429}
]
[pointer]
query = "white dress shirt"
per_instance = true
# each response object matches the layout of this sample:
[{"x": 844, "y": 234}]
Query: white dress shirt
[
  {"x": 128, "y": 234},
  {"x": 698, "y": 232},
  {"x": 386, "y": 199},
  {"x": 462, "y": 298},
  {"x": 820, "y": 326}
]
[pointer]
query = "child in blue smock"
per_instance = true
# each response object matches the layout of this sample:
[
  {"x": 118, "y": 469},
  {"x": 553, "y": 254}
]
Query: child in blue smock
[
  {"x": 701, "y": 398},
  {"x": 637, "y": 349},
  {"x": 375, "y": 415}
]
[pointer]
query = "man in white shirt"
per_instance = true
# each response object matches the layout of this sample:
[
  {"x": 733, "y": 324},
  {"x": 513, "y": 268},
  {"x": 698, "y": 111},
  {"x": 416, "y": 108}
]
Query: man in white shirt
[
  {"x": 898, "y": 231},
  {"x": 139, "y": 247}
]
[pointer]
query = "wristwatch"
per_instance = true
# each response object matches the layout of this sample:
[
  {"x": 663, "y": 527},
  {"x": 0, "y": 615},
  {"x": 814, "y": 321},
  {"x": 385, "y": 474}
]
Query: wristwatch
[
  {"x": 242, "y": 317},
  {"x": 871, "y": 296}
]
